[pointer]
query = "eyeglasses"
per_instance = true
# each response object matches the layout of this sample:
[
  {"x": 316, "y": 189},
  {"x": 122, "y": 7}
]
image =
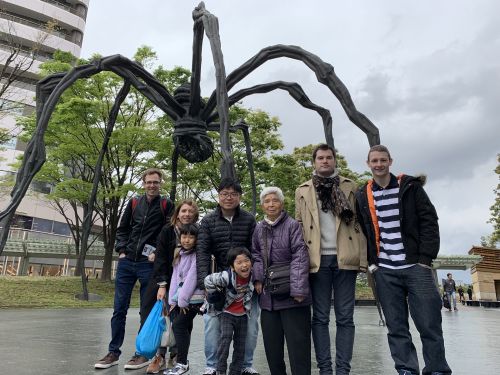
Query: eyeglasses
[
  {"x": 152, "y": 182},
  {"x": 225, "y": 195}
]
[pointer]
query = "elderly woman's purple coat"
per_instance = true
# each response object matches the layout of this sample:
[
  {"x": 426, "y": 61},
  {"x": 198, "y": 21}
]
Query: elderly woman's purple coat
[{"x": 285, "y": 244}]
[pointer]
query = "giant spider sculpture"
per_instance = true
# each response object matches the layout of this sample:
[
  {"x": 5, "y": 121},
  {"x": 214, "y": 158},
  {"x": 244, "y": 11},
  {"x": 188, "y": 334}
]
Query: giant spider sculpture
[{"x": 191, "y": 116}]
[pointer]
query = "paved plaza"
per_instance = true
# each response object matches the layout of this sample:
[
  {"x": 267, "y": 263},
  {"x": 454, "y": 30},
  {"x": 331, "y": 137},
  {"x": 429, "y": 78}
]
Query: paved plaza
[{"x": 69, "y": 341}]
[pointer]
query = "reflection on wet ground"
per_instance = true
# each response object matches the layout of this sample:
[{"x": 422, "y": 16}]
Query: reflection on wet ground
[{"x": 68, "y": 341}]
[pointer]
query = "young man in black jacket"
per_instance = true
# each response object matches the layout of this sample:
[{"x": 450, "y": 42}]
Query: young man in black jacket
[
  {"x": 135, "y": 242},
  {"x": 401, "y": 227}
]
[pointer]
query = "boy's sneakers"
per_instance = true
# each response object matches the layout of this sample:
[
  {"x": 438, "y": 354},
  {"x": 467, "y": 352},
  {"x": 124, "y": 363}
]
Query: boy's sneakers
[
  {"x": 136, "y": 362},
  {"x": 249, "y": 371},
  {"x": 209, "y": 371},
  {"x": 178, "y": 369},
  {"x": 109, "y": 360},
  {"x": 156, "y": 365}
]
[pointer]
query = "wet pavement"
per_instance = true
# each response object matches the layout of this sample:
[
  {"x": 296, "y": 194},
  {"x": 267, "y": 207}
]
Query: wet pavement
[{"x": 70, "y": 341}]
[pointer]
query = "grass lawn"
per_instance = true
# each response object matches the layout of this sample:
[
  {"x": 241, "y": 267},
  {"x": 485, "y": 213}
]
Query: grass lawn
[
  {"x": 59, "y": 292},
  {"x": 55, "y": 292}
]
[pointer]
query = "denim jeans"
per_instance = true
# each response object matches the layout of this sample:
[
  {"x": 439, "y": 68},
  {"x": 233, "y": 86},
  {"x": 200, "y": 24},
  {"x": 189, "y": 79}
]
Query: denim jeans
[
  {"x": 452, "y": 297},
  {"x": 412, "y": 288},
  {"x": 212, "y": 336},
  {"x": 329, "y": 277},
  {"x": 127, "y": 274}
]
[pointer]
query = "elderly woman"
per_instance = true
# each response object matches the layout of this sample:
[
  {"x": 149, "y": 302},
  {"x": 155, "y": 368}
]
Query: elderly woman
[{"x": 277, "y": 240}]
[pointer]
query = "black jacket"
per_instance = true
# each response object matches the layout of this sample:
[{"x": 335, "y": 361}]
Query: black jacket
[
  {"x": 217, "y": 235},
  {"x": 142, "y": 226},
  {"x": 419, "y": 222},
  {"x": 167, "y": 241}
]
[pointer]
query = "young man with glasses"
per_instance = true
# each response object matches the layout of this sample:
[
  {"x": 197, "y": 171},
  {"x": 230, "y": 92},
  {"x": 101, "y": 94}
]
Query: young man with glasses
[
  {"x": 136, "y": 236},
  {"x": 226, "y": 227}
]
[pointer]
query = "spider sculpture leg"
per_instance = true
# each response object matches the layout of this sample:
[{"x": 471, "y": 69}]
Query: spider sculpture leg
[
  {"x": 296, "y": 93},
  {"x": 324, "y": 73},
  {"x": 49, "y": 90}
]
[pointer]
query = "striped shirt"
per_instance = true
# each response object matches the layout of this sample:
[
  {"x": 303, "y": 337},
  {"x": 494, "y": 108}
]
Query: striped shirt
[{"x": 392, "y": 253}]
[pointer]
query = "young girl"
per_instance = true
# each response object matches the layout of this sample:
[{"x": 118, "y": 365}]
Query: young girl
[
  {"x": 183, "y": 297},
  {"x": 238, "y": 300}
]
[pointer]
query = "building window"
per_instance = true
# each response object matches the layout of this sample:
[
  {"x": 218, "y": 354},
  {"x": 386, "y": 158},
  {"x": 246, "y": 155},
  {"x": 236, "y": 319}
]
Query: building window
[
  {"x": 22, "y": 221},
  {"x": 61, "y": 228},
  {"x": 42, "y": 225}
]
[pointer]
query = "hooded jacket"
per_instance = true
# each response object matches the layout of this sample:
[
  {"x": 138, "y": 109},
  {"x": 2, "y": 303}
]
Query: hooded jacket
[
  {"x": 284, "y": 244},
  {"x": 419, "y": 222},
  {"x": 226, "y": 281},
  {"x": 183, "y": 290}
]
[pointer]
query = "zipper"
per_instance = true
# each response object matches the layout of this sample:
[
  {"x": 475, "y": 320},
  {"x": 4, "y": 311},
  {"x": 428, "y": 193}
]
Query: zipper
[{"x": 142, "y": 229}]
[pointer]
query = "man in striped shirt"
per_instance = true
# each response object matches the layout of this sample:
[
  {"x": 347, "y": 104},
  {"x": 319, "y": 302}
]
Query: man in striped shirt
[{"x": 401, "y": 227}]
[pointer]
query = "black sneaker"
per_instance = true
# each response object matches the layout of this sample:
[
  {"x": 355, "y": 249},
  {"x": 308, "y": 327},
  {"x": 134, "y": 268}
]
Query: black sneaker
[
  {"x": 110, "y": 359},
  {"x": 136, "y": 362}
]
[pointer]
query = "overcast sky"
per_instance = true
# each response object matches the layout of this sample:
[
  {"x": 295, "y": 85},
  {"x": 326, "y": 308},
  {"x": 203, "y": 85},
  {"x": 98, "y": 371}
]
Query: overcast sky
[{"x": 427, "y": 73}]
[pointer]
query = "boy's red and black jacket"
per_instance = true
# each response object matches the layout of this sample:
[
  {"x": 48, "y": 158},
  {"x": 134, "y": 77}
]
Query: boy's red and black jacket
[
  {"x": 419, "y": 222},
  {"x": 140, "y": 225}
]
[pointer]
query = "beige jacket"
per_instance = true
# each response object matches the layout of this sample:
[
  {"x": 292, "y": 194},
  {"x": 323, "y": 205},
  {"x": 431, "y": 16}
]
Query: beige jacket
[{"x": 351, "y": 243}]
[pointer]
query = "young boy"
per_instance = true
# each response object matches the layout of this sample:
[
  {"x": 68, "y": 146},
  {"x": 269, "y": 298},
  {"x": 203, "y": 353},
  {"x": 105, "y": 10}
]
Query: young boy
[{"x": 238, "y": 286}]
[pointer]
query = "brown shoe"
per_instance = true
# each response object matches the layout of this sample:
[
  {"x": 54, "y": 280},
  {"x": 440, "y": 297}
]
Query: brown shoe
[
  {"x": 109, "y": 360},
  {"x": 156, "y": 365},
  {"x": 136, "y": 362}
]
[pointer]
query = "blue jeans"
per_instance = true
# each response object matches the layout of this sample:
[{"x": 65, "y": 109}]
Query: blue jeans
[
  {"x": 343, "y": 282},
  {"x": 212, "y": 336},
  {"x": 127, "y": 274},
  {"x": 452, "y": 297},
  {"x": 412, "y": 288}
]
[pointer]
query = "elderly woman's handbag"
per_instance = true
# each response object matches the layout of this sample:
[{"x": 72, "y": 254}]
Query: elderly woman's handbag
[{"x": 277, "y": 275}]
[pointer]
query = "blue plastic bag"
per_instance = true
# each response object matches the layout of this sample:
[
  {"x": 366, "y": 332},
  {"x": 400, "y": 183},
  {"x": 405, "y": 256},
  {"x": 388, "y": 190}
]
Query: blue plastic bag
[{"x": 149, "y": 338}]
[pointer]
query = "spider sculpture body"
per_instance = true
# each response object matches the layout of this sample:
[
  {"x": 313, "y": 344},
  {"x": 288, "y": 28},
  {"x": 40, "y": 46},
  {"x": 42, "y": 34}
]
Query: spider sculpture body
[{"x": 191, "y": 116}]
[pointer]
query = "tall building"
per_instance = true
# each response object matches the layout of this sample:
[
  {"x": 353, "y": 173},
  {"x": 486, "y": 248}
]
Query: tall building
[{"x": 33, "y": 28}]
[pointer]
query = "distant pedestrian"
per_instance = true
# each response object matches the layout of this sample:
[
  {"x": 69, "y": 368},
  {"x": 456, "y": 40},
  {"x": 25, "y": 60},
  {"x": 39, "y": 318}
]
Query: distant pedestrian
[
  {"x": 450, "y": 288},
  {"x": 460, "y": 291},
  {"x": 469, "y": 292}
]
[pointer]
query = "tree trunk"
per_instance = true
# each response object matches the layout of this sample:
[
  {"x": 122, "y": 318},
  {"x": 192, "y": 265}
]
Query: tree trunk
[{"x": 106, "y": 265}]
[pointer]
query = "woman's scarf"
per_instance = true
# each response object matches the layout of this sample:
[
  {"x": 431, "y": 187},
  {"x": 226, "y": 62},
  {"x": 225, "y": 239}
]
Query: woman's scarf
[{"x": 331, "y": 197}]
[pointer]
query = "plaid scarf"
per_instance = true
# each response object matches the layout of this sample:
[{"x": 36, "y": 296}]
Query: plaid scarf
[{"x": 332, "y": 198}]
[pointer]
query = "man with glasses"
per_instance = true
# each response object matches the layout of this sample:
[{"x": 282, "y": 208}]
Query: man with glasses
[
  {"x": 225, "y": 227},
  {"x": 136, "y": 236}
]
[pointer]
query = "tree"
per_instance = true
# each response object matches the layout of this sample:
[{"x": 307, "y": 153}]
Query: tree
[
  {"x": 494, "y": 238},
  {"x": 74, "y": 138},
  {"x": 16, "y": 62}
]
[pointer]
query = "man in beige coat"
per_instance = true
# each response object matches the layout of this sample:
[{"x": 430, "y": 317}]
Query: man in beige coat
[{"x": 325, "y": 207}]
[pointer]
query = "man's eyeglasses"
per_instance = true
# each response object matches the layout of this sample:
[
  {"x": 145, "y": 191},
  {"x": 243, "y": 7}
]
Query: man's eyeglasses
[
  {"x": 152, "y": 182},
  {"x": 225, "y": 195}
]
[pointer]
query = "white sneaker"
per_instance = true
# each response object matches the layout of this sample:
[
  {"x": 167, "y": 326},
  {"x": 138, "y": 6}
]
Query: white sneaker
[
  {"x": 178, "y": 369},
  {"x": 249, "y": 371},
  {"x": 209, "y": 371}
]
